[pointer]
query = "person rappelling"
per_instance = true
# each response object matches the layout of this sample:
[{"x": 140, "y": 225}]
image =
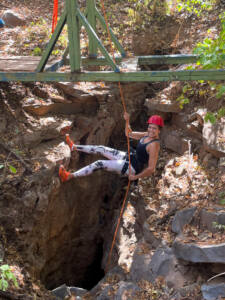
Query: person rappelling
[{"x": 143, "y": 159}]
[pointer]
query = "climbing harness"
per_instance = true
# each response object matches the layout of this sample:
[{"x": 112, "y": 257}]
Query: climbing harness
[{"x": 55, "y": 15}]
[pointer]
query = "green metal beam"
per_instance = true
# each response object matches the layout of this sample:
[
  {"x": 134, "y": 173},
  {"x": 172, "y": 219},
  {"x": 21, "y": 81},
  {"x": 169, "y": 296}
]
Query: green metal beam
[
  {"x": 142, "y": 60},
  {"x": 74, "y": 35},
  {"x": 52, "y": 43},
  {"x": 92, "y": 33},
  {"x": 167, "y": 59},
  {"x": 142, "y": 76},
  {"x": 90, "y": 15}
]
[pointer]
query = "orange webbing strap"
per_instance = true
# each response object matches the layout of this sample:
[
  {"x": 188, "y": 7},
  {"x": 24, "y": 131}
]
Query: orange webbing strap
[
  {"x": 55, "y": 15},
  {"x": 128, "y": 144}
]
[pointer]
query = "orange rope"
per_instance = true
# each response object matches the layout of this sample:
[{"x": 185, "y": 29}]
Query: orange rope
[
  {"x": 55, "y": 15},
  {"x": 128, "y": 143}
]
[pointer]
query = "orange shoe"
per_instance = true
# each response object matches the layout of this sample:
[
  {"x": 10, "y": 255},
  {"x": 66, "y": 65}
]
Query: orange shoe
[
  {"x": 63, "y": 174},
  {"x": 70, "y": 142}
]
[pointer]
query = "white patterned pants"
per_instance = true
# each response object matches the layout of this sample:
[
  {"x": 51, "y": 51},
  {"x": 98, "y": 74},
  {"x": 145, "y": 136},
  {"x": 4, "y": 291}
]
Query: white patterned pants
[{"x": 115, "y": 162}]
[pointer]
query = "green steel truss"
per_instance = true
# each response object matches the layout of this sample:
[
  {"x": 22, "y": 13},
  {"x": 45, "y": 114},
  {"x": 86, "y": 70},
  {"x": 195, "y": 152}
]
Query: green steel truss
[{"x": 74, "y": 18}]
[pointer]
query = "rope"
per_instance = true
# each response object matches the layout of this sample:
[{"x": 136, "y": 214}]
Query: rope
[
  {"x": 55, "y": 15},
  {"x": 128, "y": 143}
]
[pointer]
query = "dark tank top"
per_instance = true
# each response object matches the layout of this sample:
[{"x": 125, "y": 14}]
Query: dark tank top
[
  {"x": 139, "y": 157},
  {"x": 141, "y": 153}
]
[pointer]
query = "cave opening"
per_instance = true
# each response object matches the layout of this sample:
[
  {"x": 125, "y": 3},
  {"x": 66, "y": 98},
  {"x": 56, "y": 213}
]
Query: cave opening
[
  {"x": 94, "y": 272},
  {"x": 75, "y": 255}
]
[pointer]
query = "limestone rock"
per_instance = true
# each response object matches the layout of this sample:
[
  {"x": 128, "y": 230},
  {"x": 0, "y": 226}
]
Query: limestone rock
[
  {"x": 82, "y": 92},
  {"x": 12, "y": 19},
  {"x": 213, "y": 138},
  {"x": 149, "y": 236},
  {"x": 174, "y": 141},
  {"x": 162, "y": 263},
  {"x": 78, "y": 292},
  {"x": 47, "y": 129},
  {"x": 61, "y": 292},
  {"x": 182, "y": 218},
  {"x": 126, "y": 290},
  {"x": 207, "y": 218},
  {"x": 213, "y": 290},
  {"x": 199, "y": 253},
  {"x": 222, "y": 162},
  {"x": 162, "y": 105}
]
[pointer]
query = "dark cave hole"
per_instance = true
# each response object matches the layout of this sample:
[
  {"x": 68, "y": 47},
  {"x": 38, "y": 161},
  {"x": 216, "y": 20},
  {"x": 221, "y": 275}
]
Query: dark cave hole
[
  {"x": 91, "y": 277},
  {"x": 94, "y": 272}
]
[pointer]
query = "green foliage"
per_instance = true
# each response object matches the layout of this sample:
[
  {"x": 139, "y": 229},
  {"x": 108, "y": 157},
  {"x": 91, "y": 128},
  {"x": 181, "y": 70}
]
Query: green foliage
[
  {"x": 10, "y": 167},
  {"x": 211, "y": 52},
  {"x": 211, "y": 55},
  {"x": 141, "y": 12},
  {"x": 194, "y": 6},
  {"x": 37, "y": 51},
  {"x": 222, "y": 198},
  {"x": 6, "y": 276},
  {"x": 183, "y": 98},
  {"x": 34, "y": 38},
  {"x": 210, "y": 117},
  {"x": 213, "y": 117},
  {"x": 216, "y": 225}
]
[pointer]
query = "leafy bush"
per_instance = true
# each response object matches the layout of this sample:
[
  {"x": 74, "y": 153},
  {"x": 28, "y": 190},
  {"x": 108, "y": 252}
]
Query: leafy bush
[
  {"x": 194, "y": 6},
  {"x": 6, "y": 276}
]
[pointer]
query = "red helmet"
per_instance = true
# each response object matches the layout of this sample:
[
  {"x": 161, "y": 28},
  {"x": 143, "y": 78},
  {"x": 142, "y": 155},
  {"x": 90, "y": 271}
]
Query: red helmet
[{"x": 157, "y": 120}]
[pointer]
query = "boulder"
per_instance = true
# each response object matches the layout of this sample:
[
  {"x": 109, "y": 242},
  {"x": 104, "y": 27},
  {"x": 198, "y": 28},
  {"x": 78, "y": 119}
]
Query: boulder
[
  {"x": 47, "y": 129},
  {"x": 162, "y": 263},
  {"x": 173, "y": 140},
  {"x": 221, "y": 162},
  {"x": 162, "y": 105},
  {"x": 83, "y": 92},
  {"x": 12, "y": 19},
  {"x": 213, "y": 138},
  {"x": 182, "y": 218},
  {"x": 78, "y": 292},
  {"x": 61, "y": 292},
  {"x": 200, "y": 253},
  {"x": 214, "y": 290},
  {"x": 126, "y": 290},
  {"x": 208, "y": 218}
]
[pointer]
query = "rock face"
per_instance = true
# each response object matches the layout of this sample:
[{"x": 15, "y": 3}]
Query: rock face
[
  {"x": 12, "y": 19},
  {"x": 150, "y": 40},
  {"x": 213, "y": 137},
  {"x": 213, "y": 290},
  {"x": 163, "y": 263},
  {"x": 69, "y": 236},
  {"x": 199, "y": 253},
  {"x": 182, "y": 218},
  {"x": 68, "y": 232}
]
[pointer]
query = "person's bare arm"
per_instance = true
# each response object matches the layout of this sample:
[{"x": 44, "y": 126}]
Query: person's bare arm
[
  {"x": 128, "y": 131},
  {"x": 153, "y": 151}
]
